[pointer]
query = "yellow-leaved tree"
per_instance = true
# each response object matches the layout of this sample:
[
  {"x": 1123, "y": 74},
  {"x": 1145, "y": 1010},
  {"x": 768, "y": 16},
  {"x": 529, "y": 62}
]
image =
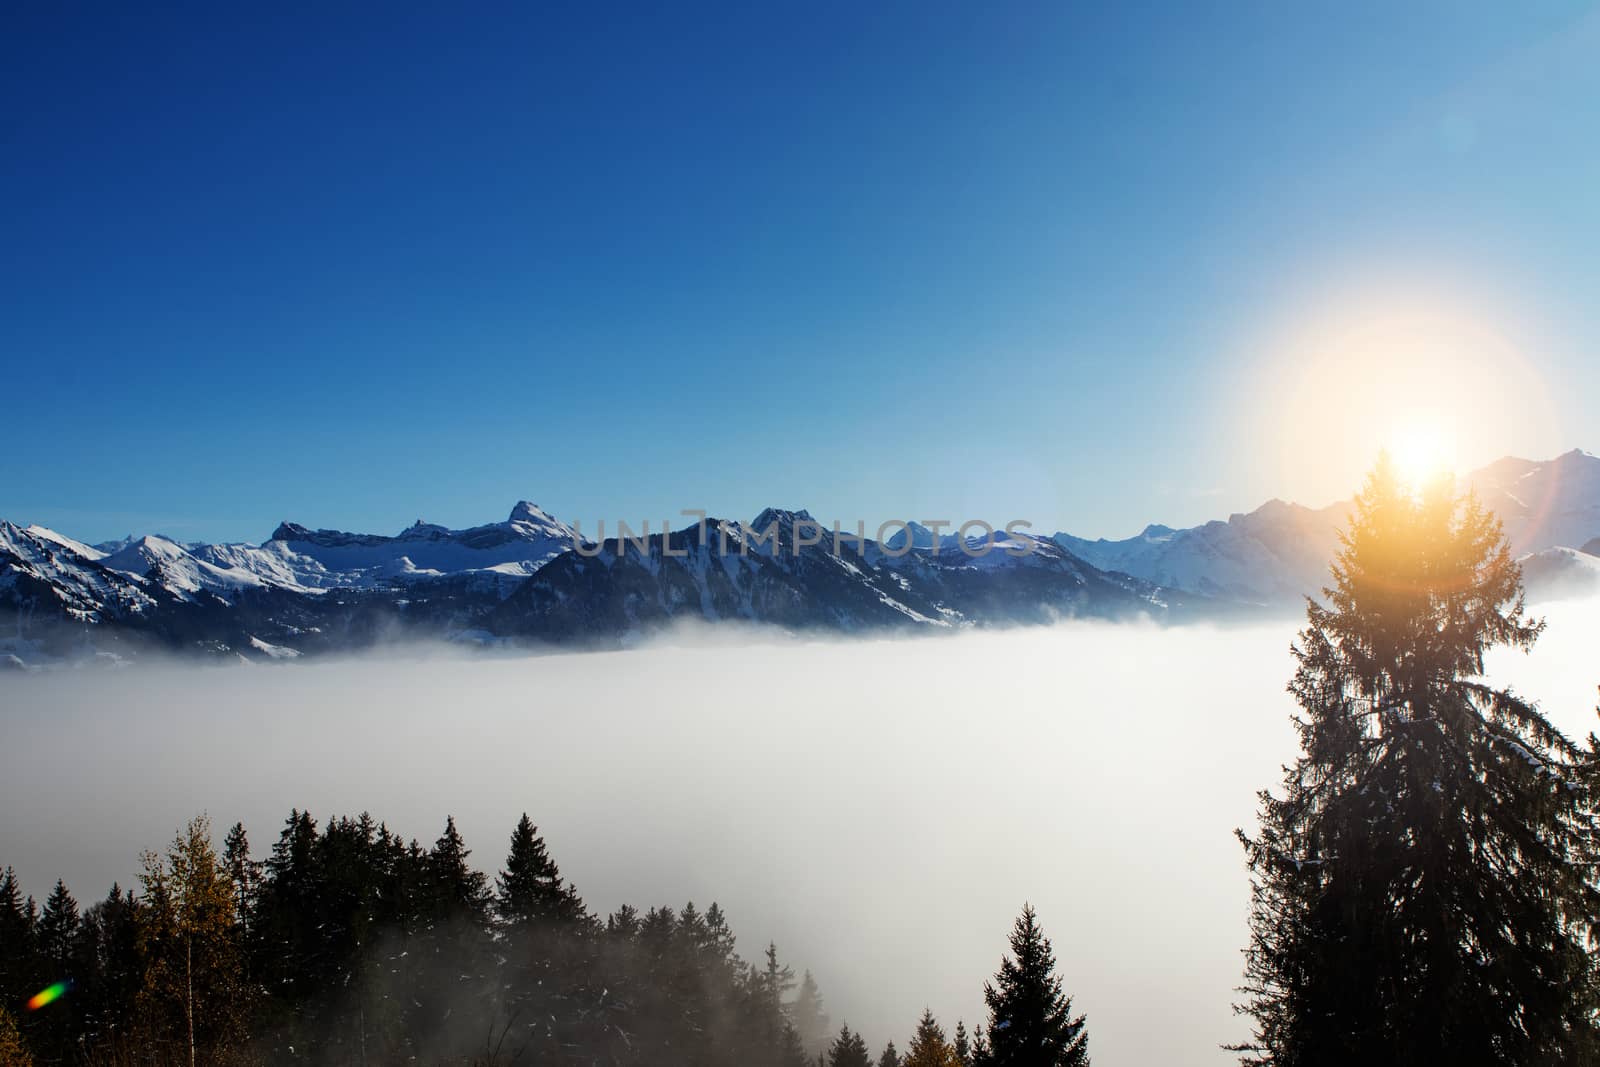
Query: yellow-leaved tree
[
  {"x": 929, "y": 1047},
  {"x": 193, "y": 1002},
  {"x": 13, "y": 1052}
]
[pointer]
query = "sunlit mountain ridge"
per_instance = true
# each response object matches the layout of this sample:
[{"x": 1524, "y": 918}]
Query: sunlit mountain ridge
[{"x": 534, "y": 579}]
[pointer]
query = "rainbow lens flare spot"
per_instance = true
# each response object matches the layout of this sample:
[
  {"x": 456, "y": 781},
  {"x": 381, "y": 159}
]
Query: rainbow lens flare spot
[{"x": 49, "y": 994}]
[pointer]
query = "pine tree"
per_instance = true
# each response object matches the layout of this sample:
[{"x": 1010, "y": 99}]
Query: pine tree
[
  {"x": 1421, "y": 893},
  {"x": 776, "y": 980},
  {"x": 928, "y": 1045},
  {"x": 530, "y": 890},
  {"x": 890, "y": 1057},
  {"x": 53, "y": 1031},
  {"x": 791, "y": 1052},
  {"x": 113, "y": 970},
  {"x": 1030, "y": 1018},
  {"x": 456, "y": 889},
  {"x": 244, "y": 871},
  {"x": 19, "y": 944},
  {"x": 848, "y": 1050},
  {"x": 962, "y": 1045},
  {"x": 808, "y": 1015},
  {"x": 623, "y": 923},
  {"x": 58, "y": 931}
]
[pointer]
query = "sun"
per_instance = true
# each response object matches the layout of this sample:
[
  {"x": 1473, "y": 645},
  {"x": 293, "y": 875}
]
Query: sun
[{"x": 1420, "y": 452}]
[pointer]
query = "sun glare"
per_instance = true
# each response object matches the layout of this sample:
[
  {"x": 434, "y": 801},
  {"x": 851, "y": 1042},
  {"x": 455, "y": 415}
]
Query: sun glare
[{"x": 1420, "y": 454}]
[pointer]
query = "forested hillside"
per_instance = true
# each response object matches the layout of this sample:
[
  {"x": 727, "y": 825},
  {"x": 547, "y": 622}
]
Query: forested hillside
[{"x": 348, "y": 945}]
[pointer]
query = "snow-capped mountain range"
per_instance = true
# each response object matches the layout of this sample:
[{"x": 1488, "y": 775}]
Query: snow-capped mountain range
[
  {"x": 1280, "y": 552},
  {"x": 534, "y": 578}
]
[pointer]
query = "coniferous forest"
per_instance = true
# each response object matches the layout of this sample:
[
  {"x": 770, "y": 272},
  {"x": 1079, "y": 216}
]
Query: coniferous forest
[
  {"x": 1424, "y": 890},
  {"x": 347, "y": 945}
]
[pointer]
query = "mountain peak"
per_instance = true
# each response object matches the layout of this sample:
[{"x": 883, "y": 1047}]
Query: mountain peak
[
  {"x": 781, "y": 516},
  {"x": 528, "y": 511}
]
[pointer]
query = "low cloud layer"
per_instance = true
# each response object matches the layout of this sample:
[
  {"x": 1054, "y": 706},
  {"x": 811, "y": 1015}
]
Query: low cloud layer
[{"x": 880, "y": 808}]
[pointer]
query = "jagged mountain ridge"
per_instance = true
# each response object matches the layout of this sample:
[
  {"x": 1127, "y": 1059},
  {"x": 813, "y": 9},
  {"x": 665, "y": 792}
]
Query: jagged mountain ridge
[
  {"x": 1279, "y": 553},
  {"x": 533, "y": 578}
]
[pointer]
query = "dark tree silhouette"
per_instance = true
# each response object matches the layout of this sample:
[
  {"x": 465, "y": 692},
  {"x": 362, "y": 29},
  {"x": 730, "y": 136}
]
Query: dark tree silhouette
[
  {"x": 1030, "y": 1018},
  {"x": 1422, "y": 889}
]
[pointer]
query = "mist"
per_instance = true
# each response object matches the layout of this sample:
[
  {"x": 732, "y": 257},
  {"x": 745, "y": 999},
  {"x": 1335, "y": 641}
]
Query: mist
[{"x": 880, "y": 808}]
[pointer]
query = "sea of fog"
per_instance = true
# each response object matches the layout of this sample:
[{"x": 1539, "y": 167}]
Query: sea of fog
[{"x": 879, "y": 808}]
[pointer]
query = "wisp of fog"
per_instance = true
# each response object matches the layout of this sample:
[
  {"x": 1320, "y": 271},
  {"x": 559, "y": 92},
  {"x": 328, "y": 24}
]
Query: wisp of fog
[{"x": 879, "y": 808}]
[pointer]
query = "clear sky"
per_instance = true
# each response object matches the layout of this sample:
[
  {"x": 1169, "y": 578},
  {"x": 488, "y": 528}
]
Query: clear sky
[{"x": 1087, "y": 265}]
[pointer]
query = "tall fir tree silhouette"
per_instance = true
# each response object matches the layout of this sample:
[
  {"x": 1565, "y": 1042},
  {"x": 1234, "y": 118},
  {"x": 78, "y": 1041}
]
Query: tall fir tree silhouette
[
  {"x": 529, "y": 891},
  {"x": 809, "y": 1018},
  {"x": 1421, "y": 891},
  {"x": 58, "y": 930},
  {"x": 848, "y": 1050},
  {"x": 1030, "y": 1017}
]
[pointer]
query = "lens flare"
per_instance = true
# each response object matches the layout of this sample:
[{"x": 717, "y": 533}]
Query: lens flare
[
  {"x": 47, "y": 995},
  {"x": 1420, "y": 452}
]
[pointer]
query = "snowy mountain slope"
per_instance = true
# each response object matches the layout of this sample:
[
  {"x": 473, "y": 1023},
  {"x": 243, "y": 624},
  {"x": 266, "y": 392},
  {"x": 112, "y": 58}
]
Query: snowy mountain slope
[
  {"x": 1560, "y": 574},
  {"x": 1543, "y": 504},
  {"x": 1272, "y": 555},
  {"x": 171, "y": 565},
  {"x": 40, "y": 575},
  {"x": 315, "y": 561},
  {"x": 52, "y": 599},
  {"x": 531, "y": 577},
  {"x": 76, "y": 547},
  {"x": 516, "y": 548},
  {"x": 1281, "y": 552},
  {"x": 701, "y": 573}
]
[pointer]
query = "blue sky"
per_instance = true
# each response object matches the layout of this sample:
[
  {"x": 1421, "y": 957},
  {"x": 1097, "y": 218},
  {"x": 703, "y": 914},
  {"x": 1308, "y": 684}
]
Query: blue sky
[{"x": 1086, "y": 266}]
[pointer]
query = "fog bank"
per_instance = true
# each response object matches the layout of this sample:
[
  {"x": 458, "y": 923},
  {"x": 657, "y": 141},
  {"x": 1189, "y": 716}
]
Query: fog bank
[{"x": 880, "y": 808}]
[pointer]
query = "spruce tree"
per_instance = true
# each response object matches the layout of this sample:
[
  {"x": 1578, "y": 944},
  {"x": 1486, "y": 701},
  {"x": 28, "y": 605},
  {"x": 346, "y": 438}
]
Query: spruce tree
[
  {"x": 791, "y": 1051},
  {"x": 530, "y": 890},
  {"x": 1030, "y": 1018},
  {"x": 1422, "y": 891},
  {"x": 928, "y": 1045},
  {"x": 890, "y": 1057},
  {"x": 808, "y": 1015},
  {"x": 106, "y": 993},
  {"x": 455, "y": 890},
  {"x": 776, "y": 980},
  {"x": 19, "y": 963},
  {"x": 58, "y": 931},
  {"x": 962, "y": 1045},
  {"x": 848, "y": 1050},
  {"x": 245, "y": 872}
]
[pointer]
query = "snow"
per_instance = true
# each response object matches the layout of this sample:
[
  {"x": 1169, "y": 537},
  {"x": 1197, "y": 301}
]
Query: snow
[
  {"x": 1560, "y": 574},
  {"x": 85, "y": 588},
  {"x": 272, "y": 651},
  {"x": 1280, "y": 552},
  {"x": 526, "y": 541},
  {"x": 312, "y": 562},
  {"x": 177, "y": 569},
  {"x": 44, "y": 533}
]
